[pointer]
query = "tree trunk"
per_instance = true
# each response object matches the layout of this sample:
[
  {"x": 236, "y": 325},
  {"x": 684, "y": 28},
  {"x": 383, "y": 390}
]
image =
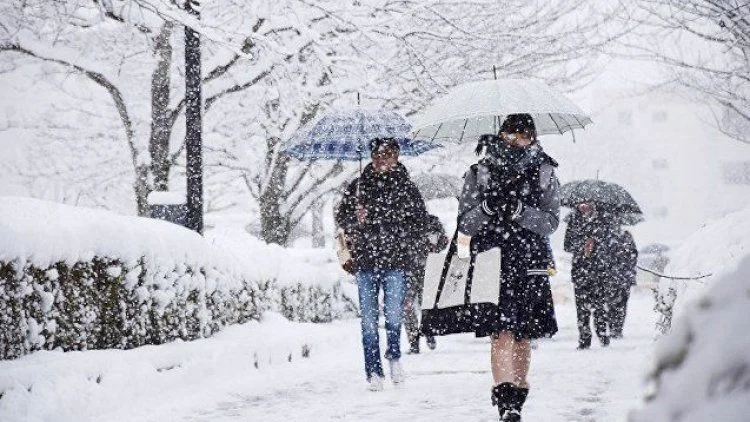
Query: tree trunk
[
  {"x": 275, "y": 225},
  {"x": 318, "y": 234},
  {"x": 160, "y": 125},
  {"x": 142, "y": 189}
]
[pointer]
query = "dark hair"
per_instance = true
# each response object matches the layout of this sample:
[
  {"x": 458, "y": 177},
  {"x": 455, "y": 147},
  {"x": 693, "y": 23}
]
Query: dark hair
[
  {"x": 485, "y": 142},
  {"x": 517, "y": 123},
  {"x": 380, "y": 144}
]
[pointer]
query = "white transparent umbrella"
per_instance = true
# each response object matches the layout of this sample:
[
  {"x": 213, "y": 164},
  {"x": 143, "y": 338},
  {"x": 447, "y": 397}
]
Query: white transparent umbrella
[{"x": 476, "y": 108}]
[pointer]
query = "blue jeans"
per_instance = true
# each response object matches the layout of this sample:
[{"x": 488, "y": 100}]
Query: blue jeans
[{"x": 369, "y": 283}]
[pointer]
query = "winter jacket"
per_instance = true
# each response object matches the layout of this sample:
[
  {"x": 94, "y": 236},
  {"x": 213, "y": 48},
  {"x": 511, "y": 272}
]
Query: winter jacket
[
  {"x": 614, "y": 254},
  {"x": 396, "y": 217},
  {"x": 522, "y": 233},
  {"x": 537, "y": 215}
]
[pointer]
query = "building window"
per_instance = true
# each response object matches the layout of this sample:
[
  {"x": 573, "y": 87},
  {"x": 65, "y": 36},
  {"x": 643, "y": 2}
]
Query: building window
[{"x": 735, "y": 172}]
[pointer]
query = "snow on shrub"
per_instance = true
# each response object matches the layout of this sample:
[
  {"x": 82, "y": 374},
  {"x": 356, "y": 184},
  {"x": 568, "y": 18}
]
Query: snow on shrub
[
  {"x": 702, "y": 369},
  {"x": 76, "y": 279},
  {"x": 715, "y": 249}
]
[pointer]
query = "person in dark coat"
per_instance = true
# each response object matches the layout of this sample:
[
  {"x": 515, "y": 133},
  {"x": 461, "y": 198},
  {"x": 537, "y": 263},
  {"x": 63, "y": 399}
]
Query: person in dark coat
[
  {"x": 510, "y": 200},
  {"x": 593, "y": 237},
  {"x": 380, "y": 212},
  {"x": 434, "y": 240},
  {"x": 623, "y": 279}
]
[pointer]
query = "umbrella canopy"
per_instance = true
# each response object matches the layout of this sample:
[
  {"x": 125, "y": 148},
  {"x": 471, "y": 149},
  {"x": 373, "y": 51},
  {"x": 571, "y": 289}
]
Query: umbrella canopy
[
  {"x": 438, "y": 185},
  {"x": 346, "y": 135},
  {"x": 609, "y": 195},
  {"x": 476, "y": 108}
]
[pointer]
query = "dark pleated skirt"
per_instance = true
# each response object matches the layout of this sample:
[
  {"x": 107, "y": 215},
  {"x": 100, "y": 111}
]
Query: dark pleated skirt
[{"x": 525, "y": 308}]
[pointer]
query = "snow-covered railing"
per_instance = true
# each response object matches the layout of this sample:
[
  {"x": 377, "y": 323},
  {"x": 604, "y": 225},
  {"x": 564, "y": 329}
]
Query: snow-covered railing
[{"x": 76, "y": 279}]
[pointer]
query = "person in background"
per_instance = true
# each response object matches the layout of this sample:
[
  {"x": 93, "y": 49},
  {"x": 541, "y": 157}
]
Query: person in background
[
  {"x": 433, "y": 241},
  {"x": 592, "y": 237},
  {"x": 510, "y": 200},
  {"x": 380, "y": 211},
  {"x": 623, "y": 276}
]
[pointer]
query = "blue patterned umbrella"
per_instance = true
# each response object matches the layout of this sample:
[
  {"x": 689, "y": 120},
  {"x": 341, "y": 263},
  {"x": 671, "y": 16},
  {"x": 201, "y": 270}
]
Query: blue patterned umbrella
[{"x": 346, "y": 135}]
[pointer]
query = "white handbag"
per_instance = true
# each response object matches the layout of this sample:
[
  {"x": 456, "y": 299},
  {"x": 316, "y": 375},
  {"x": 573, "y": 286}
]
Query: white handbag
[{"x": 457, "y": 289}]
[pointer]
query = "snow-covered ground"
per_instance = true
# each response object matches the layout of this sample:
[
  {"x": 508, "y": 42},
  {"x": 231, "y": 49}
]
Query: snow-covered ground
[{"x": 216, "y": 379}]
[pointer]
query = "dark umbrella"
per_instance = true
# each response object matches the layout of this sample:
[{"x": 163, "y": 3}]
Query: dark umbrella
[{"x": 610, "y": 196}]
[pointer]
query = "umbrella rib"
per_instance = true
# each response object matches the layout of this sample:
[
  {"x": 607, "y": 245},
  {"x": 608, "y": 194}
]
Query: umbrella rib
[
  {"x": 466, "y": 122},
  {"x": 579, "y": 122},
  {"x": 552, "y": 117},
  {"x": 436, "y": 132}
]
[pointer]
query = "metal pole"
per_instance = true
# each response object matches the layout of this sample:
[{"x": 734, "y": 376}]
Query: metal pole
[{"x": 193, "y": 122}]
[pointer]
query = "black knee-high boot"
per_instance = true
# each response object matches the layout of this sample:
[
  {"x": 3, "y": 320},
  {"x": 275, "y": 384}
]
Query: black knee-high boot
[{"x": 509, "y": 400}]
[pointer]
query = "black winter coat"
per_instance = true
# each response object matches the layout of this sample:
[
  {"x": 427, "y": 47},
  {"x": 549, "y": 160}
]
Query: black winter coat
[
  {"x": 396, "y": 216},
  {"x": 525, "y": 303},
  {"x": 613, "y": 259}
]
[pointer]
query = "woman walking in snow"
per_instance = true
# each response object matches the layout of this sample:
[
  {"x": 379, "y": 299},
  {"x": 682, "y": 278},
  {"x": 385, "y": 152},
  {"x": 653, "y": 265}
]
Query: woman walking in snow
[
  {"x": 510, "y": 200},
  {"x": 381, "y": 210}
]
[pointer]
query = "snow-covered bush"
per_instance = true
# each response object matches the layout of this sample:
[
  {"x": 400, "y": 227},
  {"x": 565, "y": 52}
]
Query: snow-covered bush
[
  {"x": 314, "y": 303},
  {"x": 702, "y": 367},
  {"x": 76, "y": 279},
  {"x": 714, "y": 249}
]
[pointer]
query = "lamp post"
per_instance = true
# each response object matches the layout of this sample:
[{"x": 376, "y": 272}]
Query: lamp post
[{"x": 193, "y": 122}]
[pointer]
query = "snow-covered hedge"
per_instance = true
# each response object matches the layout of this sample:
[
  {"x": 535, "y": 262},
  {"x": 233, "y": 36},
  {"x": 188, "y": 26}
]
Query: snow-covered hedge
[
  {"x": 314, "y": 303},
  {"x": 714, "y": 249},
  {"x": 702, "y": 366},
  {"x": 702, "y": 369},
  {"x": 105, "y": 303},
  {"x": 77, "y": 279}
]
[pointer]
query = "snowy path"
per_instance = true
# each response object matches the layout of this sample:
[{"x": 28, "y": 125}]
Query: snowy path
[
  {"x": 453, "y": 381},
  {"x": 255, "y": 371}
]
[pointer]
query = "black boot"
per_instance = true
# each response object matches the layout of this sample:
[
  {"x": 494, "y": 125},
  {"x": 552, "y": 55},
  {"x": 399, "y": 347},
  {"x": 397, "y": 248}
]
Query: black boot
[
  {"x": 431, "y": 343},
  {"x": 414, "y": 347},
  {"x": 584, "y": 343},
  {"x": 509, "y": 400}
]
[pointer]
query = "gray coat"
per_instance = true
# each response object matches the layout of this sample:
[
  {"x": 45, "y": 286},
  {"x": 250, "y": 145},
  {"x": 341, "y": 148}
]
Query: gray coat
[{"x": 542, "y": 219}]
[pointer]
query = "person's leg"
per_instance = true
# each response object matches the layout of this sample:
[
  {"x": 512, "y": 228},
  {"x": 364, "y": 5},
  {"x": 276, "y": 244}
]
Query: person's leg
[
  {"x": 601, "y": 303},
  {"x": 367, "y": 284},
  {"x": 393, "y": 302},
  {"x": 510, "y": 360},
  {"x": 419, "y": 280},
  {"x": 582, "y": 313},
  {"x": 521, "y": 363},
  {"x": 411, "y": 321},
  {"x": 622, "y": 311},
  {"x": 614, "y": 313},
  {"x": 501, "y": 357}
]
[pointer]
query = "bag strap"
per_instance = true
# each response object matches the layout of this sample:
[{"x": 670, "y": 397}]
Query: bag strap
[
  {"x": 452, "y": 248},
  {"x": 446, "y": 266}
]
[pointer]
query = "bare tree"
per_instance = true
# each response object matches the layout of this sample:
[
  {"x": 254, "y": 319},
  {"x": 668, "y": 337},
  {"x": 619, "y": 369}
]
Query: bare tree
[
  {"x": 128, "y": 48},
  {"x": 705, "y": 44},
  {"x": 441, "y": 43},
  {"x": 274, "y": 66}
]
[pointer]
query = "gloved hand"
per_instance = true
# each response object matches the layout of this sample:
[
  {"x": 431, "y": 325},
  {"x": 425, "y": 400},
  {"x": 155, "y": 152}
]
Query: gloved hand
[{"x": 507, "y": 206}]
